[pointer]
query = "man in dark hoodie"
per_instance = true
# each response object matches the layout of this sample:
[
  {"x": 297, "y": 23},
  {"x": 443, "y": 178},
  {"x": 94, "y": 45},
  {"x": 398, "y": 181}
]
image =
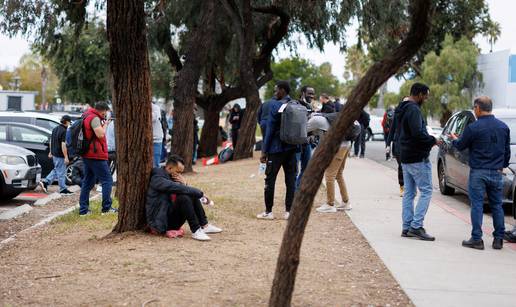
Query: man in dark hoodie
[
  {"x": 170, "y": 202},
  {"x": 392, "y": 143},
  {"x": 235, "y": 119},
  {"x": 303, "y": 157},
  {"x": 416, "y": 144}
]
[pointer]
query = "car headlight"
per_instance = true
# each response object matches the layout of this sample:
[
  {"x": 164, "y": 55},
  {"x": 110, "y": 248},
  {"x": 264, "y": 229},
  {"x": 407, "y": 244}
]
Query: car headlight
[{"x": 12, "y": 160}]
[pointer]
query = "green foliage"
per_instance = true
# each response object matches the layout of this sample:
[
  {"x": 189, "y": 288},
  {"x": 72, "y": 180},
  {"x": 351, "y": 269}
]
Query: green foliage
[
  {"x": 451, "y": 76},
  {"x": 161, "y": 76},
  {"x": 301, "y": 72},
  {"x": 81, "y": 63}
]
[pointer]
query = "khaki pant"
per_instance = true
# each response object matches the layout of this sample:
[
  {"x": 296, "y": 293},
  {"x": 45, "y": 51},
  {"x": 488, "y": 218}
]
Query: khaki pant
[{"x": 334, "y": 172}]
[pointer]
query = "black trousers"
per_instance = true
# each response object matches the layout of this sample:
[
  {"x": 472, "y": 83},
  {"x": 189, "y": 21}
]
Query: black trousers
[
  {"x": 400, "y": 171},
  {"x": 186, "y": 208},
  {"x": 234, "y": 137},
  {"x": 275, "y": 161},
  {"x": 360, "y": 142}
]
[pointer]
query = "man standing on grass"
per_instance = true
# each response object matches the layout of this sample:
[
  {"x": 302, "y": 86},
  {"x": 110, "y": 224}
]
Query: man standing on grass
[
  {"x": 96, "y": 158},
  {"x": 59, "y": 154},
  {"x": 488, "y": 141},
  {"x": 416, "y": 144},
  {"x": 278, "y": 154}
]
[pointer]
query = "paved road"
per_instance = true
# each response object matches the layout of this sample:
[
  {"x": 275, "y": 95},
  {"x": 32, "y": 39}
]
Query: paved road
[
  {"x": 375, "y": 150},
  {"x": 28, "y": 197}
]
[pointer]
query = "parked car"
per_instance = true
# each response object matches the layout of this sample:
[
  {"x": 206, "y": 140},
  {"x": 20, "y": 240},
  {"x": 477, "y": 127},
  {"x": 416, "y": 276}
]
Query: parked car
[
  {"x": 30, "y": 137},
  {"x": 452, "y": 164},
  {"x": 434, "y": 131},
  {"x": 375, "y": 130},
  {"x": 19, "y": 170},
  {"x": 42, "y": 120}
]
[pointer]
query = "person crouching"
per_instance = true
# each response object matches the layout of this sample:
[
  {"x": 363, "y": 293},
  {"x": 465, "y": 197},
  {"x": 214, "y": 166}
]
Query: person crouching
[{"x": 170, "y": 202}]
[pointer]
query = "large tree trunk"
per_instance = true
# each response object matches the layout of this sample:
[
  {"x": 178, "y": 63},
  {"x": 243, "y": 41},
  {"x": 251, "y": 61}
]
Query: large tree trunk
[
  {"x": 129, "y": 66},
  {"x": 288, "y": 260},
  {"x": 187, "y": 82},
  {"x": 210, "y": 131},
  {"x": 246, "y": 34}
]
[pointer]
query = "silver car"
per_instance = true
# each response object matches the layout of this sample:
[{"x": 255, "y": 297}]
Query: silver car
[{"x": 19, "y": 171}]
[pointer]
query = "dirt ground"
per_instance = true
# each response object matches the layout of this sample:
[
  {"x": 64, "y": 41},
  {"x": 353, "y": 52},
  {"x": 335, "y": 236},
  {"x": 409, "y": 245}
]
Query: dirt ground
[{"x": 71, "y": 263}]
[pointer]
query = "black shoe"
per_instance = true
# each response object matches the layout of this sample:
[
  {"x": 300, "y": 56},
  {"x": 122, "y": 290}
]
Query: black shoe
[
  {"x": 497, "y": 243},
  {"x": 361, "y": 156},
  {"x": 43, "y": 186},
  {"x": 420, "y": 233},
  {"x": 111, "y": 210},
  {"x": 509, "y": 237},
  {"x": 66, "y": 192},
  {"x": 404, "y": 233},
  {"x": 476, "y": 244}
]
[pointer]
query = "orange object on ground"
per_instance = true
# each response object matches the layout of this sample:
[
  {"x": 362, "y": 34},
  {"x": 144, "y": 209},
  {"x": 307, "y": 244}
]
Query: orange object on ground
[{"x": 210, "y": 161}]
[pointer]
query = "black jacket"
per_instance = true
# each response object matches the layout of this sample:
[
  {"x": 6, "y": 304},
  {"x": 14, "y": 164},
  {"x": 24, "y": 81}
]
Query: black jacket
[
  {"x": 394, "y": 132},
  {"x": 364, "y": 119},
  {"x": 415, "y": 141},
  {"x": 161, "y": 187},
  {"x": 328, "y": 107}
]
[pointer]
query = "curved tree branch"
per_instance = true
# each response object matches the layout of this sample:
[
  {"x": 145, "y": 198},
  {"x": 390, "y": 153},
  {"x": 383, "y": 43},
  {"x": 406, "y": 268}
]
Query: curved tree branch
[
  {"x": 288, "y": 260},
  {"x": 163, "y": 38}
]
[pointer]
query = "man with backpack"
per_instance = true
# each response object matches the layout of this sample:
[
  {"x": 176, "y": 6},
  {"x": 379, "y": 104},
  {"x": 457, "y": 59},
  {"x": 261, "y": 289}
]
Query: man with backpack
[
  {"x": 278, "y": 150},
  {"x": 387, "y": 121},
  {"x": 59, "y": 154},
  {"x": 95, "y": 157}
]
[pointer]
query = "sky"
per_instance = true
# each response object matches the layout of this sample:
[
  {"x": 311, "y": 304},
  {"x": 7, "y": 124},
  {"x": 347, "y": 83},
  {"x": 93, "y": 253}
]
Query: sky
[{"x": 501, "y": 11}]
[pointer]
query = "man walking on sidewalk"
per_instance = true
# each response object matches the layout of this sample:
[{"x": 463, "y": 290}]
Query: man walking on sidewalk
[
  {"x": 416, "y": 144},
  {"x": 488, "y": 141},
  {"x": 59, "y": 154}
]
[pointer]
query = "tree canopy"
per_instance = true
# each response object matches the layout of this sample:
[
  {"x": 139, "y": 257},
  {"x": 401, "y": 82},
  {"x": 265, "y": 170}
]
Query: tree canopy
[{"x": 300, "y": 72}]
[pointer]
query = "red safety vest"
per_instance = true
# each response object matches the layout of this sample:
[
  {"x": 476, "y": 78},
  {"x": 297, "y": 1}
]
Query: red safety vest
[{"x": 98, "y": 147}]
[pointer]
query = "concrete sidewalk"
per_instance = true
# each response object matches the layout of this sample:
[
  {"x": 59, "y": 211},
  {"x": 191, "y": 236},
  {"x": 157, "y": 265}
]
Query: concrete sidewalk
[{"x": 440, "y": 273}]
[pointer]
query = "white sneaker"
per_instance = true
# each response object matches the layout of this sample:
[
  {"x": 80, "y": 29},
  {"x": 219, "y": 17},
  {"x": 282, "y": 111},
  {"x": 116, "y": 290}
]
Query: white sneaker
[
  {"x": 200, "y": 235},
  {"x": 344, "y": 206},
  {"x": 211, "y": 229},
  {"x": 326, "y": 209},
  {"x": 265, "y": 216},
  {"x": 286, "y": 215}
]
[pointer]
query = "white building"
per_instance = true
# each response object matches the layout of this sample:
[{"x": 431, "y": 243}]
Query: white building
[
  {"x": 499, "y": 77},
  {"x": 17, "y": 100}
]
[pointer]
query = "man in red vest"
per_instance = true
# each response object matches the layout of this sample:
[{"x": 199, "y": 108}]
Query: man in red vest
[{"x": 96, "y": 158}]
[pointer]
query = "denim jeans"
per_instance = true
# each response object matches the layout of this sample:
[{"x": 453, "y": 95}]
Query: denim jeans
[
  {"x": 156, "y": 154},
  {"x": 416, "y": 176},
  {"x": 482, "y": 181},
  {"x": 303, "y": 157},
  {"x": 93, "y": 170},
  {"x": 58, "y": 173}
]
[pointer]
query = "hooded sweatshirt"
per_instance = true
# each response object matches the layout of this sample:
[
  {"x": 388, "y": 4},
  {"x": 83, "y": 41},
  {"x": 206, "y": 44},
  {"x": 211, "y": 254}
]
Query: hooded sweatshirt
[{"x": 414, "y": 139}]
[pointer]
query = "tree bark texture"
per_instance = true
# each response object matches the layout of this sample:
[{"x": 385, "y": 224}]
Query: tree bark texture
[
  {"x": 288, "y": 260},
  {"x": 129, "y": 66},
  {"x": 187, "y": 81},
  {"x": 210, "y": 132}
]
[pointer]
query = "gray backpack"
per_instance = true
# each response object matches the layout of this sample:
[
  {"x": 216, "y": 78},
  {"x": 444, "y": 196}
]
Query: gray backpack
[{"x": 293, "y": 124}]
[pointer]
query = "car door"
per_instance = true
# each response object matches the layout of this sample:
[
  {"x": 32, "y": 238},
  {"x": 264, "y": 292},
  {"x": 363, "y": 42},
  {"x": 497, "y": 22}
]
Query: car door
[
  {"x": 35, "y": 141},
  {"x": 459, "y": 164},
  {"x": 447, "y": 150}
]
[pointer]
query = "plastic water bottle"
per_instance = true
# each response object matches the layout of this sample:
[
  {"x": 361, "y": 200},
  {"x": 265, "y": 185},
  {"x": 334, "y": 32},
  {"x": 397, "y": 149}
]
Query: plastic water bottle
[{"x": 261, "y": 168}]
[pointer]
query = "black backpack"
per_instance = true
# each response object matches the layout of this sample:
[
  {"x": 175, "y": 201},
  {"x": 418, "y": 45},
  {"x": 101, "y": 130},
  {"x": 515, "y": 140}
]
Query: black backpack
[
  {"x": 294, "y": 118},
  {"x": 390, "y": 117},
  {"x": 79, "y": 143},
  {"x": 352, "y": 133}
]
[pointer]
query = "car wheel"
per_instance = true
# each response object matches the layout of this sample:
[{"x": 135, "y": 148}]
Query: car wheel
[
  {"x": 443, "y": 184},
  {"x": 369, "y": 135},
  {"x": 69, "y": 172},
  {"x": 5, "y": 192}
]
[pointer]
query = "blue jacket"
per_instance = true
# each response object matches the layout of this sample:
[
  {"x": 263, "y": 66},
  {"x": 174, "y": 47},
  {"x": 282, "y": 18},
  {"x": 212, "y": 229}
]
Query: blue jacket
[
  {"x": 272, "y": 142},
  {"x": 488, "y": 141}
]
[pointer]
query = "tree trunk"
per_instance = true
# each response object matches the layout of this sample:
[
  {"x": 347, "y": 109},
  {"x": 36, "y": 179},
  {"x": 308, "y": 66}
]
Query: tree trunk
[
  {"x": 380, "y": 72},
  {"x": 187, "y": 82},
  {"x": 129, "y": 66},
  {"x": 246, "y": 34},
  {"x": 210, "y": 131}
]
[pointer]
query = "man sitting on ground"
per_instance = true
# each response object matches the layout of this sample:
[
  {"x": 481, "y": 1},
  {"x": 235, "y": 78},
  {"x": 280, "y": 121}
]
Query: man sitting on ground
[{"x": 170, "y": 202}]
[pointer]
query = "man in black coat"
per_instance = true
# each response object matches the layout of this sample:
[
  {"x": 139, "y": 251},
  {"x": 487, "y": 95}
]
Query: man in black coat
[{"x": 170, "y": 202}]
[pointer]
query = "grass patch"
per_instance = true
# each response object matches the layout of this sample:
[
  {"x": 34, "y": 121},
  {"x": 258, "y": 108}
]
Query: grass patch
[{"x": 95, "y": 221}]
